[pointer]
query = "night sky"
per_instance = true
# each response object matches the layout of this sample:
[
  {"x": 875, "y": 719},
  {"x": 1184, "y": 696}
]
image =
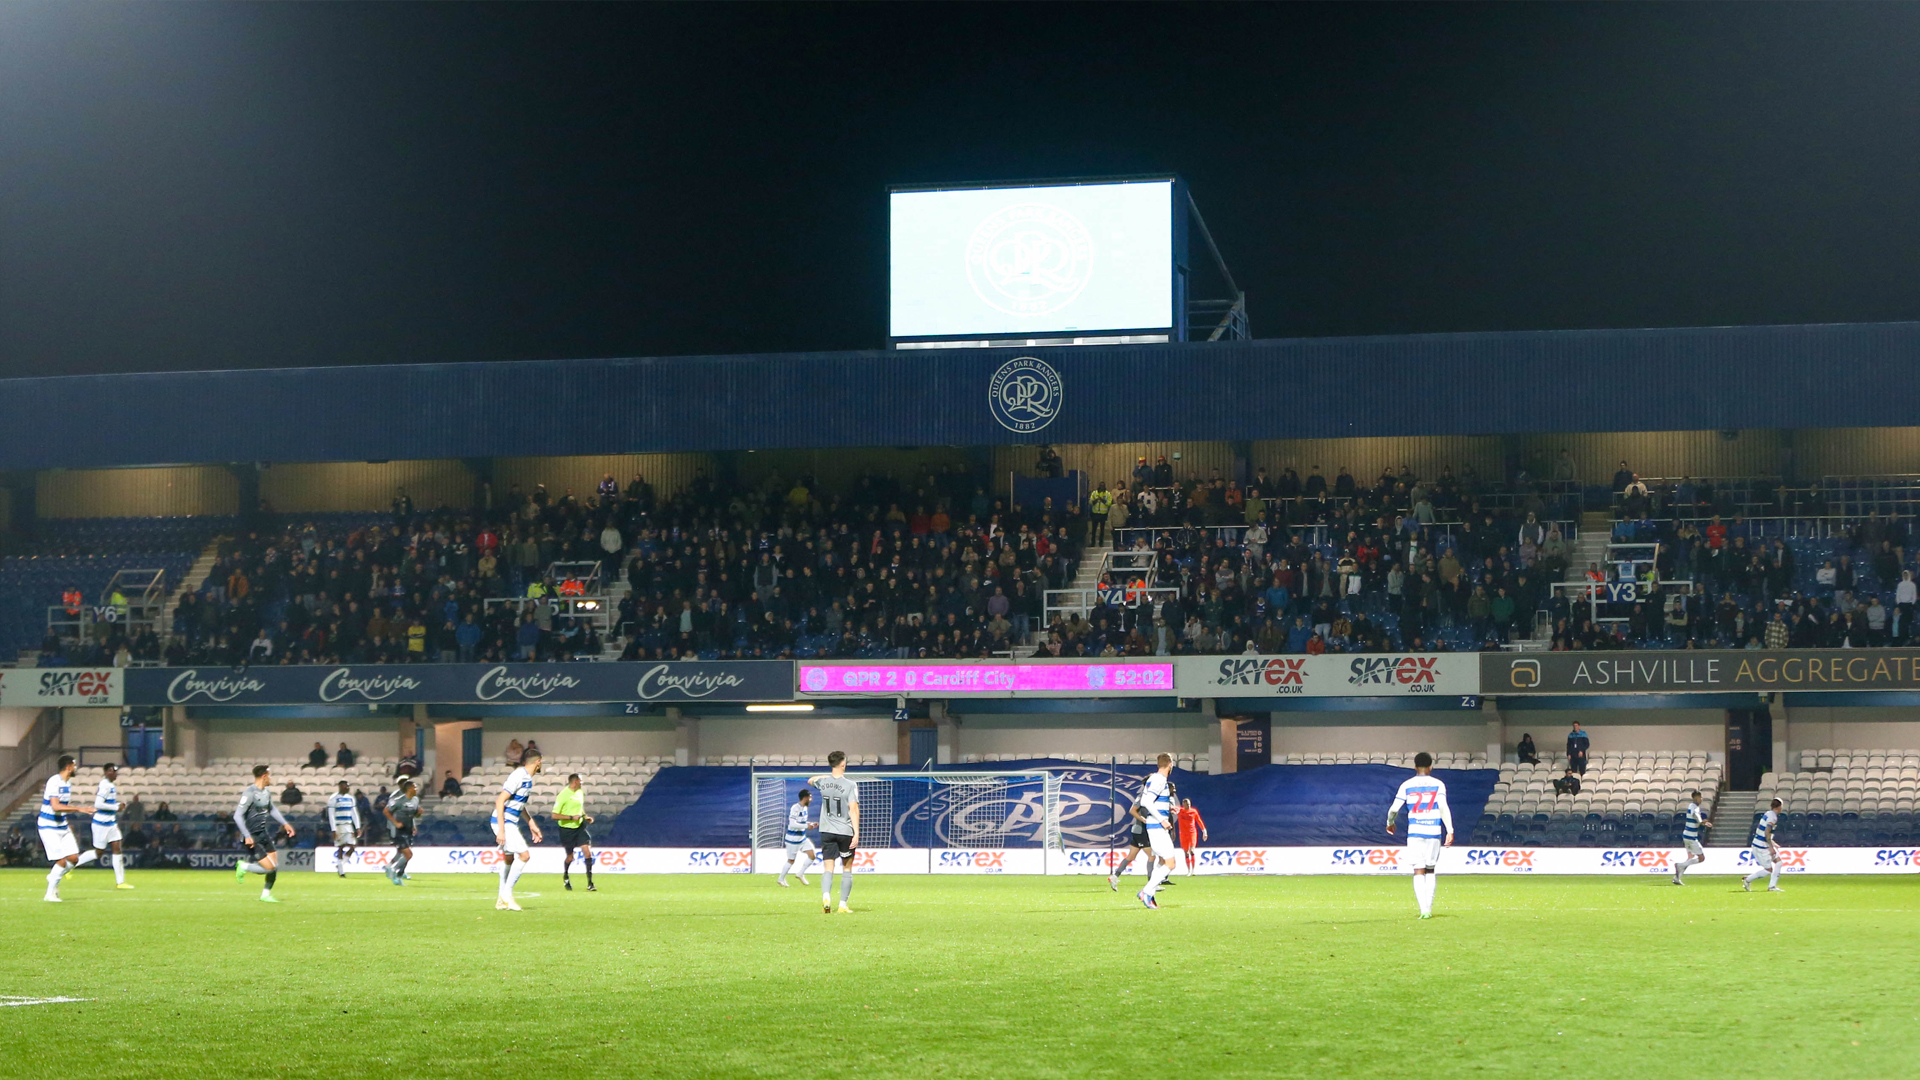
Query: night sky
[{"x": 200, "y": 186}]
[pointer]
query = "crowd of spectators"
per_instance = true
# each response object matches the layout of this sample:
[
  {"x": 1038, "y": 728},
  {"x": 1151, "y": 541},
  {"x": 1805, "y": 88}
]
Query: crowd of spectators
[{"x": 935, "y": 567}]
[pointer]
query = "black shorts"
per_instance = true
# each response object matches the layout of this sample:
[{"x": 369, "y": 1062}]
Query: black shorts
[
  {"x": 835, "y": 846},
  {"x": 1138, "y": 838},
  {"x": 579, "y": 837},
  {"x": 263, "y": 846},
  {"x": 403, "y": 837}
]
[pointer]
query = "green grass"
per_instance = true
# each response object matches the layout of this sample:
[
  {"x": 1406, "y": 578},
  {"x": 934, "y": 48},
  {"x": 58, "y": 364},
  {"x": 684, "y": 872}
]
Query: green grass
[{"x": 191, "y": 977}]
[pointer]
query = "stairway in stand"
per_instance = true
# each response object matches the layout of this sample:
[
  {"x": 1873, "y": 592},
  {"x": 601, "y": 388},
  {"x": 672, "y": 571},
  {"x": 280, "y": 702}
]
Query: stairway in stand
[{"x": 1733, "y": 818}]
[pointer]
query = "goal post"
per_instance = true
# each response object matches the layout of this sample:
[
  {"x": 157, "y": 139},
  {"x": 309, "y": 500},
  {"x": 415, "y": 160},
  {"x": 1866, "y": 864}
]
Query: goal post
[{"x": 939, "y": 810}]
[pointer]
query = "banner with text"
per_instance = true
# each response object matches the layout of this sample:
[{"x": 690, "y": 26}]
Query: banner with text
[
  {"x": 1437, "y": 674},
  {"x": 1702, "y": 671},
  {"x": 436, "y": 684},
  {"x": 1362, "y": 861},
  {"x": 40, "y": 688},
  {"x": 939, "y": 679}
]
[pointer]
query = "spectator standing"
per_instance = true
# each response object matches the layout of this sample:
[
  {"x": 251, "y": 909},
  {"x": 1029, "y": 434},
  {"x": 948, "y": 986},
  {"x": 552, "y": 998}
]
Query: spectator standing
[
  {"x": 1099, "y": 503},
  {"x": 1577, "y": 744},
  {"x": 1904, "y": 596}
]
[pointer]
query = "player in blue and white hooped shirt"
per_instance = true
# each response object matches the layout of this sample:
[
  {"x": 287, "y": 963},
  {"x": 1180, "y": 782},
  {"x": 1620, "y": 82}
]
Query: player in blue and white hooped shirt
[
  {"x": 56, "y": 835},
  {"x": 106, "y": 823},
  {"x": 1429, "y": 820},
  {"x": 1764, "y": 851},
  {"x": 1154, "y": 809},
  {"x": 343, "y": 816},
  {"x": 1691, "y": 834},
  {"x": 509, "y": 809},
  {"x": 797, "y": 826}
]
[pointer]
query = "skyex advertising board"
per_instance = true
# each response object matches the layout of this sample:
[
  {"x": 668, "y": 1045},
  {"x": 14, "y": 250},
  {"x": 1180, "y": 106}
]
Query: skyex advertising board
[
  {"x": 432, "y": 684},
  {"x": 1370, "y": 675},
  {"x": 1702, "y": 671},
  {"x": 40, "y": 688},
  {"x": 1364, "y": 861}
]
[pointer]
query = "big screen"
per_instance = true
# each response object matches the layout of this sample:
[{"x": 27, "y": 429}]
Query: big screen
[{"x": 1021, "y": 260}]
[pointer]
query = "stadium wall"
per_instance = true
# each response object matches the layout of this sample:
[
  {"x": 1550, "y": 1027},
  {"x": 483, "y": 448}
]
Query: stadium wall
[
  {"x": 1679, "y": 380},
  {"x": 91, "y": 727},
  {"x": 1371, "y": 732},
  {"x": 1612, "y": 729},
  {"x": 174, "y": 491},
  {"x": 817, "y": 735},
  {"x": 579, "y": 736},
  {"x": 1814, "y": 727},
  {"x": 1046, "y": 734},
  {"x": 668, "y": 473},
  {"x": 343, "y": 486},
  {"x": 281, "y": 738}
]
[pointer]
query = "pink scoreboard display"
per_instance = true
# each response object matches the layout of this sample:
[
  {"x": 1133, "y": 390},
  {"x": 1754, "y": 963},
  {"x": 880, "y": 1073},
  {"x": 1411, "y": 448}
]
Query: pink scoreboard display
[{"x": 982, "y": 678}]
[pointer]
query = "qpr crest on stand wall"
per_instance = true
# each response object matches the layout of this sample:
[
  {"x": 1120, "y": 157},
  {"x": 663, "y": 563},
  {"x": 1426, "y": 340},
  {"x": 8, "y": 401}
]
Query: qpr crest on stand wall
[{"x": 1025, "y": 394}]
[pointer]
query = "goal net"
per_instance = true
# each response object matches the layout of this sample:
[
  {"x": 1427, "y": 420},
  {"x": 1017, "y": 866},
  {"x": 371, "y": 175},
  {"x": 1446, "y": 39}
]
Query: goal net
[{"x": 939, "y": 810}]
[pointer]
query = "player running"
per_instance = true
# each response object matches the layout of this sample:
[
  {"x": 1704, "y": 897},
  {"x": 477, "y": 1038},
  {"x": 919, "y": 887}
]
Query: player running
[
  {"x": 1136, "y": 843},
  {"x": 1154, "y": 809},
  {"x": 403, "y": 813},
  {"x": 570, "y": 814},
  {"x": 343, "y": 812},
  {"x": 839, "y": 829},
  {"x": 1765, "y": 850},
  {"x": 797, "y": 826},
  {"x": 1428, "y": 815},
  {"x": 106, "y": 823},
  {"x": 1690, "y": 836},
  {"x": 56, "y": 835},
  {"x": 1190, "y": 823},
  {"x": 508, "y": 807},
  {"x": 256, "y": 815}
]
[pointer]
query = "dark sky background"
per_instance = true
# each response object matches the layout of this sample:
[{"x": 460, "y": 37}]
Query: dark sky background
[{"x": 212, "y": 186}]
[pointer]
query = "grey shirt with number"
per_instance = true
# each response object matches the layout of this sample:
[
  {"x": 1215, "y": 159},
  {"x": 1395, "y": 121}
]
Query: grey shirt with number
[
  {"x": 838, "y": 796},
  {"x": 404, "y": 809}
]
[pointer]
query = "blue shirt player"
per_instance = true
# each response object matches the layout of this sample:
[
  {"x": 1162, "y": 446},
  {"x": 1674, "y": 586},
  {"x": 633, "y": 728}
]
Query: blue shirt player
[
  {"x": 1429, "y": 826},
  {"x": 1690, "y": 835}
]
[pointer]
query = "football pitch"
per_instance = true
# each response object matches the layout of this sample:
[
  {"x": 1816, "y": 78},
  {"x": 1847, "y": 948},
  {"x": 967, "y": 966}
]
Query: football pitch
[{"x": 190, "y": 976}]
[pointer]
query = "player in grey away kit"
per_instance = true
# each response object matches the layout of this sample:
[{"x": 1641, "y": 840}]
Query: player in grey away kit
[
  {"x": 839, "y": 829},
  {"x": 255, "y": 815},
  {"x": 403, "y": 810}
]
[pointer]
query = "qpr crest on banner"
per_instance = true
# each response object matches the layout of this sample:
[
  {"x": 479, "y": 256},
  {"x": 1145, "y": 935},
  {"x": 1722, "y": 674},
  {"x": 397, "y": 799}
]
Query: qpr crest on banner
[{"x": 1025, "y": 394}]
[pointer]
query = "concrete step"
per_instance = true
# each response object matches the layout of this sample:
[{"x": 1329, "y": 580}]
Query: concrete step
[{"x": 1733, "y": 819}]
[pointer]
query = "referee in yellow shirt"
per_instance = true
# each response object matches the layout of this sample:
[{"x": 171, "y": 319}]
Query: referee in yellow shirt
[{"x": 569, "y": 813}]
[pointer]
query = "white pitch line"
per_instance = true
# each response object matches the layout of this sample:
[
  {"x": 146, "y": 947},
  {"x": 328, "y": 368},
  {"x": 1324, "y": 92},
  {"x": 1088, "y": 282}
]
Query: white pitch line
[{"x": 7, "y": 1001}]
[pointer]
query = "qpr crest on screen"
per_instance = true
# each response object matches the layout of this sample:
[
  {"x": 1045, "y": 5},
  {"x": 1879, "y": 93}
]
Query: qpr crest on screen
[{"x": 1025, "y": 394}]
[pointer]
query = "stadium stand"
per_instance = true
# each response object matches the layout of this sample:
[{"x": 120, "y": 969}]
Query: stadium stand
[{"x": 1846, "y": 797}]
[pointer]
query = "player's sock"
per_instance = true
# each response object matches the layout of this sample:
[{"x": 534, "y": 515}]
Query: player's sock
[
  {"x": 272, "y": 876},
  {"x": 86, "y": 857},
  {"x": 399, "y": 865},
  {"x": 119, "y": 869},
  {"x": 1773, "y": 879},
  {"x": 587, "y": 859},
  {"x": 253, "y": 868},
  {"x": 1159, "y": 874},
  {"x": 513, "y": 876},
  {"x": 826, "y": 887},
  {"x": 54, "y": 875},
  {"x": 1423, "y": 885},
  {"x": 846, "y": 885},
  {"x": 786, "y": 870}
]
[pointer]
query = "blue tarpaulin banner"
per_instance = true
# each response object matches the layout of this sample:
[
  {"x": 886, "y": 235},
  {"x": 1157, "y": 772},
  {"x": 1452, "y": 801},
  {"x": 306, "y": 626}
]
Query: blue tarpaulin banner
[{"x": 1275, "y": 805}]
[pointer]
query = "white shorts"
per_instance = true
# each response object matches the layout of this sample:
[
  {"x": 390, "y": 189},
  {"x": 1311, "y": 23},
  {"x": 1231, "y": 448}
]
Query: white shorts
[
  {"x": 1162, "y": 843},
  {"x": 344, "y": 838},
  {"x": 794, "y": 850},
  {"x": 1694, "y": 848},
  {"x": 59, "y": 843},
  {"x": 1423, "y": 852},
  {"x": 1762, "y": 858},
  {"x": 513, "y": 839},
  {"x": 104, "y": 835}
]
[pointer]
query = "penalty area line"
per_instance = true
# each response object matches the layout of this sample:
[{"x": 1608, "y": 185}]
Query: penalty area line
[{"x": 8, "y": 1000}]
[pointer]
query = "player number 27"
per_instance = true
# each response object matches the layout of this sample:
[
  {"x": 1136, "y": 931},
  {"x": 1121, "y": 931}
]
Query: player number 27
[{"x": 1423, "y": 801}]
